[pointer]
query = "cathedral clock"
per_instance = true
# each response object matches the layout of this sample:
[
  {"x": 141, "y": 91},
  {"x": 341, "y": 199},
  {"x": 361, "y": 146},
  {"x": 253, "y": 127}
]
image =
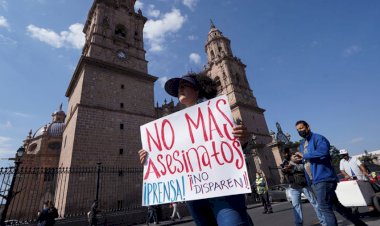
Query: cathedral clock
[{"x": 121, "y": 54}]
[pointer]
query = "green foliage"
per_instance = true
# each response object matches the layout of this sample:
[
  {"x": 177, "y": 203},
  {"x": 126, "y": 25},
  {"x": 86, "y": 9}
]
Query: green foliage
[
  {"x": 367, "y": 158},
  {"x": 335, "y": 158}
]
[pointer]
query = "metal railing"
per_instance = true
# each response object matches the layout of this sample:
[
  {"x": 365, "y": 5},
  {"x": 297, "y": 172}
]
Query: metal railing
[{"x": 73, "y": 190}]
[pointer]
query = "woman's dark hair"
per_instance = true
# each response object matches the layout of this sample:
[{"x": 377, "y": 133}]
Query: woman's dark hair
[
  {"x": 287, "y": 150},
  {"x": 302, "y": 122},
  {"x": 207, "y": 86},
  {"x": 49, "y": 203}
]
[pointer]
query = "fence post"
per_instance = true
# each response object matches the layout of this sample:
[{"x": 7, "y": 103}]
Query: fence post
[
  {"x": 97, "y": 180},
  {"x": 94, "y": 207},
  {"x": 10, "y": 194}
]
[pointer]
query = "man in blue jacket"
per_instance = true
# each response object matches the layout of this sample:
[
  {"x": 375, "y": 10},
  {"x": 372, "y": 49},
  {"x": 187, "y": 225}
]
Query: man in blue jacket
[{"x": 315, "y": 151}]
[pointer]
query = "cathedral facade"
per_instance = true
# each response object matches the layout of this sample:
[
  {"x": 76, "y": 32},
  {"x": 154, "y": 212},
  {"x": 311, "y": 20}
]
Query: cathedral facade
[{"x": 111, "y": 94}]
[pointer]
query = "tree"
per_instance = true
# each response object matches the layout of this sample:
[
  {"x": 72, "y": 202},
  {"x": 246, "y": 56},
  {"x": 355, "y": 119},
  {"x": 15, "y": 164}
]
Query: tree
[
  {"x": 368, "y": 158},
  {"x": 335, "y": 158}
]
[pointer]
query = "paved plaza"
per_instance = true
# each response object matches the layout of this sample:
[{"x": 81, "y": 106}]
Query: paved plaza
[{"x": 283, "y": 215}]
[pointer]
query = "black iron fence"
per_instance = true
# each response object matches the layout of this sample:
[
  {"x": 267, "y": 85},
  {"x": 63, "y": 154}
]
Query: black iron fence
[{"x": 72, "y": 190}]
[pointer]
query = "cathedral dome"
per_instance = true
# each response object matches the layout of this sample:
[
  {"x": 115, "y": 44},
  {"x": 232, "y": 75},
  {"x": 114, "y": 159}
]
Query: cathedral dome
[
  {"x": 59, "y": 112},
  {"x": 54, "y": 129}
]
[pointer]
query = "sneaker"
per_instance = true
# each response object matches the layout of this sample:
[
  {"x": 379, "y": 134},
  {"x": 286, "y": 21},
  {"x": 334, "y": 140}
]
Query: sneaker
[
  {"x": 270, "y": 211},
  {"x": 265, "y": 212}
]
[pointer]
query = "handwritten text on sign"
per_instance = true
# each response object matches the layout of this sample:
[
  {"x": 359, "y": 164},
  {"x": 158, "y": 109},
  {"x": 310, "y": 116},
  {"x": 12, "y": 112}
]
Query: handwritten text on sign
[{"x": 192, "y": 154}]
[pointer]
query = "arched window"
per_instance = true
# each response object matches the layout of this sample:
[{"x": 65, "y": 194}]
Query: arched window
[
  {"x": 237, "y": 78},
  {"x": 212, "y": 54},
  {"x": 218, "y": 84},
  {"x": 219, "y": 48},
  {"x": 120, "y": 31},
  {"x": 32, "y": 147}
]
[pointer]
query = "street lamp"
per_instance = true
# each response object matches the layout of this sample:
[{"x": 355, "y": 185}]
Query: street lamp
[
  {"x": 20, "y": 152},
  {"x": 10, "y": 193},
  {"x": 94, "y": 207}
]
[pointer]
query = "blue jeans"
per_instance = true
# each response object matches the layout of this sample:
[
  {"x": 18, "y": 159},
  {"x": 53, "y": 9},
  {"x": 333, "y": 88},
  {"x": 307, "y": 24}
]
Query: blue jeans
[
  {"x": 328, "y": 201},
  {"x": 152, "y": 214},
  {"x": 297, "y": 208},
  {"x": 221, "y": 211}
]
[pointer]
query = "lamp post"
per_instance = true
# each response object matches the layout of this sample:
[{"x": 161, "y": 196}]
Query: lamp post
[
  {"x": 94, "y": 207},
  {"x": 10, "y": 194}
]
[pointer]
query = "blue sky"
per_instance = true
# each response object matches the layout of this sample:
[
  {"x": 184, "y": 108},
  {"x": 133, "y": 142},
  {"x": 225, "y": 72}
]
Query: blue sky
[{"x": 312, "y": 60}]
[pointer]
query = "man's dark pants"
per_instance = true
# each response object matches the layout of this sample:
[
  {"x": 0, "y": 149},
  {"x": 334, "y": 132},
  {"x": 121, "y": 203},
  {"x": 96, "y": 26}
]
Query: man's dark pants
[
  {"x": 328, "y": 201},
  {"x": 266, "y": 203}
]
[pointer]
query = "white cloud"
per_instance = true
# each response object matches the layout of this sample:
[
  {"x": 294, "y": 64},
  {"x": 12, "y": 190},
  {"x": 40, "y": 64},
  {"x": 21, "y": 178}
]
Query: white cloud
[
  {"x": 156, "y": 31},
  {"x": 75, "y": 35},
  {"x": 5, "y": 145},
  {"x": 7, "y": 124},
  {"x": 156, "y": 47},
  {"x": 162, "y": 81},
  {"x": 351, "y": 50},
  {"x": 192, "y": 37},
  {"x": 19, "y": 114},
  {"x": 357, "y": 140},
  {"x": 6, "y": 40},
  {"x": 195, "y": 58},
  {"x": 6, "y": 149},
  {"x": 139, "y": 5},
  {"x": 74, "y": 38},
  {"x": 4, "y": 140},
  {"x": 152, "y": 12},
  {"x": 4, "y": 4},
  {"x": 3, "y": 22},
  {"x": 45, "y": 35},
  {"x": 191, "y": 4}
]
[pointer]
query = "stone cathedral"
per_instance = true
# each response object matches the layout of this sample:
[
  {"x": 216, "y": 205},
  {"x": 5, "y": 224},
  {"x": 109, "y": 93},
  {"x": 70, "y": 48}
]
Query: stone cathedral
[{"x": 111, "y": 94}]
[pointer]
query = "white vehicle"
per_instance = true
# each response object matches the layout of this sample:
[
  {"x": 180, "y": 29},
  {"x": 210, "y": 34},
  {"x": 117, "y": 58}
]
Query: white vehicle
[{"x": 355, "y": 193}]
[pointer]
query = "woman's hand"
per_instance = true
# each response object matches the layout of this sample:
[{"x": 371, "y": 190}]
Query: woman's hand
[
  {"x": 143, "y": 156},
  {"x": 241, "y": 133}
]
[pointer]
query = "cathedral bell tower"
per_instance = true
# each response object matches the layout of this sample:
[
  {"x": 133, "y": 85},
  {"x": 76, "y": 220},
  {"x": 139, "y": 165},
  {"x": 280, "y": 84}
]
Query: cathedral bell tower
[
  {"x": 114, "y": 34},
  {"x": 229, "y": 73},
  {"x": 110, "y": 95}
]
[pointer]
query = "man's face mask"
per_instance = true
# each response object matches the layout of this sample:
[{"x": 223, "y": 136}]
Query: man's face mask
[
  {"x": 303, "y": 130},
  {"x": 303, "y": 133}
]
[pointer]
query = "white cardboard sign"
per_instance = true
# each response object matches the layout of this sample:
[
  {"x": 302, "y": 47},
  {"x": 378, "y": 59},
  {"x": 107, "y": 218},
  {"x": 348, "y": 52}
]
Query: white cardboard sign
[{"x": 192, "y": 154}]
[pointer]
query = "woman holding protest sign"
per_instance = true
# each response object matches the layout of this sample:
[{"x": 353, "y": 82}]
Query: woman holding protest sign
[{"x": 192, "y": 89}]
